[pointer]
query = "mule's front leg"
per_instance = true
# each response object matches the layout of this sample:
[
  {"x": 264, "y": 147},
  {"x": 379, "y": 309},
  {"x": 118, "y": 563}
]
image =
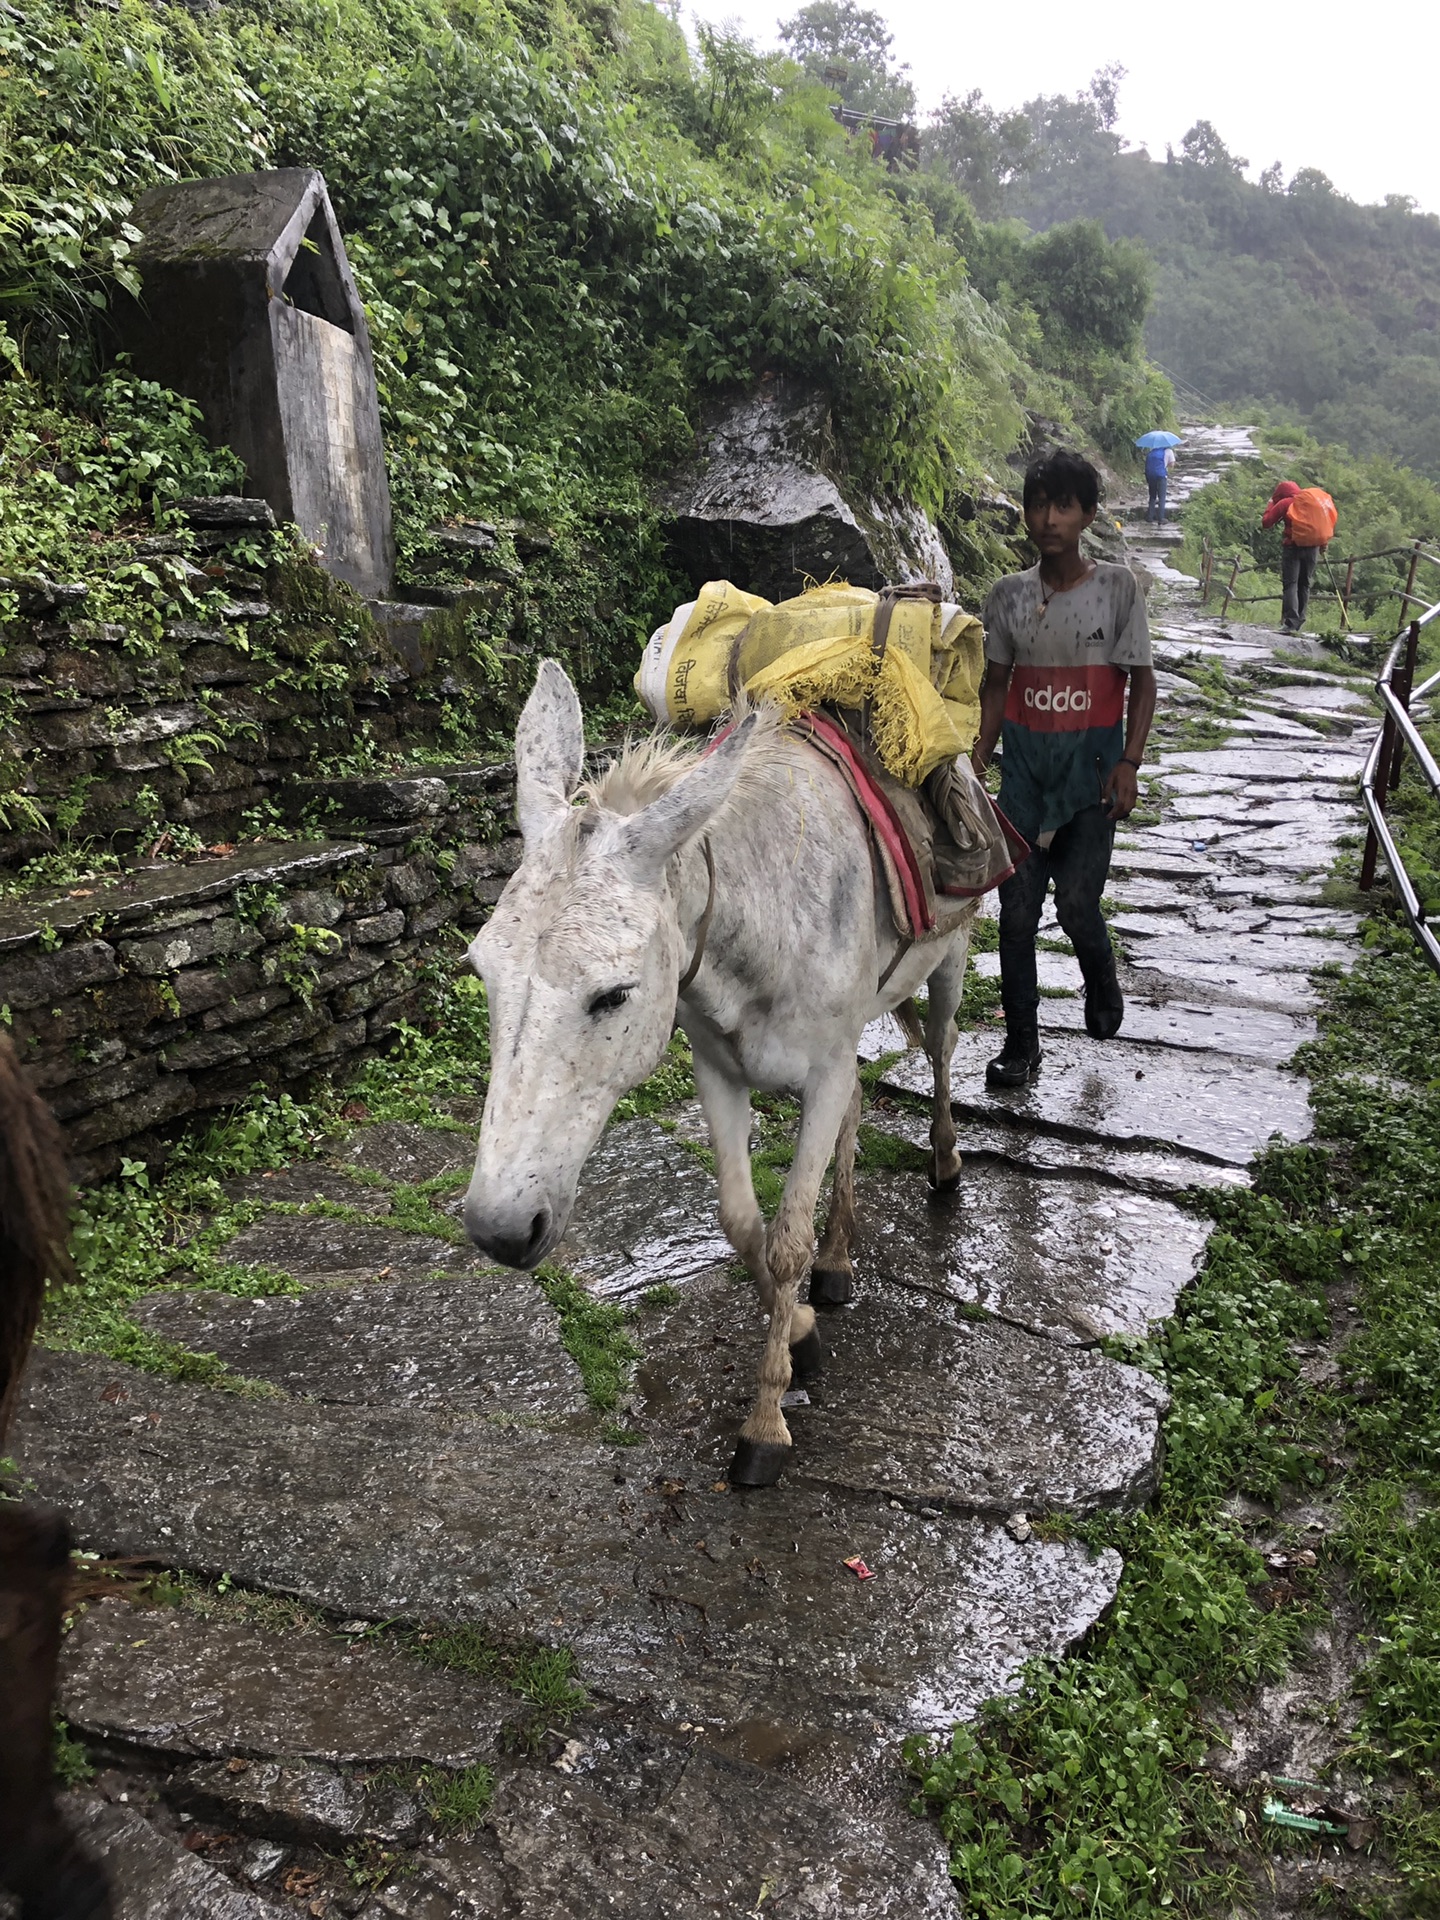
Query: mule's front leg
[
  {"x": 727, "y": 1114},
  {"x": 764, "y": 1445}
]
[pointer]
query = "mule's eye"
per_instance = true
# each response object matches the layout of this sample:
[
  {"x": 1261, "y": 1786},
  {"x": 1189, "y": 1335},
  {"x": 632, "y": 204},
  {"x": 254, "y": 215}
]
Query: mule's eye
[{"x": 608, "y": 1002}]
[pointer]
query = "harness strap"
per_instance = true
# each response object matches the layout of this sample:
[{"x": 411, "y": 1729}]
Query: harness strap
[
  {"x": 895, "y": 959},
  {"x": 702, "y": 931}
]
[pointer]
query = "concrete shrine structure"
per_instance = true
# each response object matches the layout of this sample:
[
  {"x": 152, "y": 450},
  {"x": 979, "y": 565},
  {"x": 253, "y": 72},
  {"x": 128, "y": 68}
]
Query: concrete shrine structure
[{"x": 249, "y": 307}]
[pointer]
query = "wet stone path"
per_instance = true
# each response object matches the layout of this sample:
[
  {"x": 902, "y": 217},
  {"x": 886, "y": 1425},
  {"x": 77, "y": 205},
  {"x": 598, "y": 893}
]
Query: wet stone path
[{"x": 425, "y": 1451}]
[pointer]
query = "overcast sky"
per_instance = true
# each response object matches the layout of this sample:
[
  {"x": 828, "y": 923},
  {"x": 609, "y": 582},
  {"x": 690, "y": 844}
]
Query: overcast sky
[{"x": 1347, "y": 94}]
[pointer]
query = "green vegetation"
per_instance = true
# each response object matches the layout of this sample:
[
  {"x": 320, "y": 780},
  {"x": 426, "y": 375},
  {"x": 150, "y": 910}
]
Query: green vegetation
[
  {"x": 1088, "y": 1795},
  {"x": 72, "y": 1762},
  {"x": 545, "y": 1676},
  {"x": 610, "y": 233},
  {"x": 594, "y": 1334},
  {"x": 458, "y": 1802}
]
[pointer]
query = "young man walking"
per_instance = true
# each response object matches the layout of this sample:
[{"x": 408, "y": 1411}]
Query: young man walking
[{"x": 1061, "y": 640}]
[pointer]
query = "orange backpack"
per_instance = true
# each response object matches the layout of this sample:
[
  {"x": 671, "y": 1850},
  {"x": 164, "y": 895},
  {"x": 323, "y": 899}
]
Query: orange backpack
[{"x": 1311, "y": 518}]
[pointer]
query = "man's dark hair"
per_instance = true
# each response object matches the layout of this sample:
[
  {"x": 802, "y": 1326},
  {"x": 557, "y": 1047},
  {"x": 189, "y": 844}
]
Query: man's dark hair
[{"x": 1062, "y": 476}]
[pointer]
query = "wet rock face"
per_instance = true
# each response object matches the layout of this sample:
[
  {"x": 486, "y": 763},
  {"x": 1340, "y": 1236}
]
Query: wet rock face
[
  {"x": 1072, "y": 1258},
  {"x": 151, "y": 1878},
  {"x": 760, "y": 505},
  {"x": 315, "y": 1804}
]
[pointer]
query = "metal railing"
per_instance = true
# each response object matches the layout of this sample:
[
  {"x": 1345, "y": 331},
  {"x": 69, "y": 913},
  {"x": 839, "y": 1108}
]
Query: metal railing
[
  {"x": 1415, "y": 553},
  {"x": 1380, "y": 775}
]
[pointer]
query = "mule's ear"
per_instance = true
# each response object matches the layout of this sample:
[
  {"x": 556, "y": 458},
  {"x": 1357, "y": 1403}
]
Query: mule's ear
[
  {"x": 648, "y": 838},
  {"x": 549, "y": 750}
]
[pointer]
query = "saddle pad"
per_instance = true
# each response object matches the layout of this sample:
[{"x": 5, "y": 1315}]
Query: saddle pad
[{"x": 909, "y": 905}]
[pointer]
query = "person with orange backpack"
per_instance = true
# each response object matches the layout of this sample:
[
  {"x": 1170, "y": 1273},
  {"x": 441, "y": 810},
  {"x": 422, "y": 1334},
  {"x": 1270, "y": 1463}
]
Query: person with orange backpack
[{"x": 1310, "y": 518}]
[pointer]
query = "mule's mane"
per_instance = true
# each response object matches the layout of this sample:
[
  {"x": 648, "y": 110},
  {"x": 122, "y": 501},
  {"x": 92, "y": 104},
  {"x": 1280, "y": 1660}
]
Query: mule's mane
[
  {"x": 642, "y": 771},
  {"x": 645, "y": 769}
]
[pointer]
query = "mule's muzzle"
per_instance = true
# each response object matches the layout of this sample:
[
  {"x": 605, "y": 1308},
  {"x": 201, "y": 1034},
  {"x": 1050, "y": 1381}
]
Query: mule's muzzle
[{"x": 514, "y": 1237}]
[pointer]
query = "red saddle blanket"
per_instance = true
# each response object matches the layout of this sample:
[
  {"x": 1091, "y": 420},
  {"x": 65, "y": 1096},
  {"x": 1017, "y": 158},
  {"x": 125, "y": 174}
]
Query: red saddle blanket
[{"x": 928, "y": 878}]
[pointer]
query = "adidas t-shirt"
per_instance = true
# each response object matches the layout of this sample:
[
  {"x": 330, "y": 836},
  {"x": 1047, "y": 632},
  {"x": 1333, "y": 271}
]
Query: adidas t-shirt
[{"x": 1064, "y": 725}]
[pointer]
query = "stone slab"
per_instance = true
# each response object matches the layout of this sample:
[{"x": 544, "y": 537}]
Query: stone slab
[
  {"x": 1266, "y": 892},
  {"x": 432, "y": 1514},
  {"x": 1137, "y": 894},
  {"x": 1073, "y": 1259},
  {"x": 170, "y": 886},
  {"x": 305, "y": 1182},
  {"x": 1274, "y": 951},
  {"x": 151, "y": 1878},
  {"x": 315, "y": 1244},
  {"x": 976, "y": 1416},
  {"x": 649, "y": 1825},
  {"x": 309, "y": 1804},
  {"x": 1003, "y": 1142},
  {"x": 919, "y": 1402},
  {"x": 1227, "y": 982},
  {"x": 1254, "y": 1033},
  {"x": 1317, "y": 696},
  {"x": 1175, "y": 781},
  {"x": 187, "y": 1687},
  {"x": 1333, "y": 766},
  {"x": 1158, "y": 863},
  {"x": 490, "y": 1340},
  {"x": 405, "y": 1152},
  {"x": 1128, "y": 1096},
  {"x": 645, "y": 1214}
]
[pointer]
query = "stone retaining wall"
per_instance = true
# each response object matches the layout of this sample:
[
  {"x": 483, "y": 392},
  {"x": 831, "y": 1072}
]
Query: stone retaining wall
[{"x": 148, "y": 1000}]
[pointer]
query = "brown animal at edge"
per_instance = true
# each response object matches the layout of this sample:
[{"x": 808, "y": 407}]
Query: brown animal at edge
[{"x": 41, "y": 1864}]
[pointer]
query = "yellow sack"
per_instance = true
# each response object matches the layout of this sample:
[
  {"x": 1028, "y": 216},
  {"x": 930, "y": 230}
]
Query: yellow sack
[
  {"x": 909, "y": 723},
  {"x": 683, "y": 676},
  {"x": 816, "y": 648},
  {"x": 957, "y": 667}
]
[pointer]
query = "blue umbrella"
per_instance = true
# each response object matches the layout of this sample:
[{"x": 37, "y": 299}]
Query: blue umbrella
[{"x": 1158, "y": 439}]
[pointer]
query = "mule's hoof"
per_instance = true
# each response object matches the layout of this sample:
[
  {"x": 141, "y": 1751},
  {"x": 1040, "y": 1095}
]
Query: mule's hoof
[
  {"x": 830, "y": 1289},
  {"x": 942, "y": 1189},
  {"x": 758, "y": 1463},
  {"x": 807, "y": 1358}
]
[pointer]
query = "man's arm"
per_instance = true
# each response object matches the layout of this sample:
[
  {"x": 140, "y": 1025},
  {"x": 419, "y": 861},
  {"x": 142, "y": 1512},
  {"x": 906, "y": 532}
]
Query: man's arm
[
  {"x": 1122, "y": 789},
  {"x": 993, "y": 693},
  {"x": 1276, "y": 511}
]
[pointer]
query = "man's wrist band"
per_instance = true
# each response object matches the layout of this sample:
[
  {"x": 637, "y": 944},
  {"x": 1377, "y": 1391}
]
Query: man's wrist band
[{"x": 1129, "y": 762}]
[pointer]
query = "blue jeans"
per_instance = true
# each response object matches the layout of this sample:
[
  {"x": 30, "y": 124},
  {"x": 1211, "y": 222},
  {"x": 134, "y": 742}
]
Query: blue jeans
[
  {"x": 1158, "y": 483},
  {"x": 1078, "y": 861}
]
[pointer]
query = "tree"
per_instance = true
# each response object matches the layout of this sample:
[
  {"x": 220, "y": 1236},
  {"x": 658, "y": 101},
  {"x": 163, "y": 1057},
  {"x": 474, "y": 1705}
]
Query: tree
[
  {"x": 1203, "y": 147},
  {"x": 1083, "y": 285},
  {"x": 847, "y": 47},
  {"x": 983, "y": 152}
]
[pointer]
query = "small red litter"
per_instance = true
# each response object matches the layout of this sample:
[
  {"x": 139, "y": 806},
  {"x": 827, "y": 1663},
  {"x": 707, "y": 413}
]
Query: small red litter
[{"x": 858, "y": 1567}]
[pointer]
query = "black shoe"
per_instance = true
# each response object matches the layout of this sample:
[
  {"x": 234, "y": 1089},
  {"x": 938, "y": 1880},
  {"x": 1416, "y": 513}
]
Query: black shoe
[
  {"x": 1104, "y": 1004},
  {"x": 1017, "y": 1063}
]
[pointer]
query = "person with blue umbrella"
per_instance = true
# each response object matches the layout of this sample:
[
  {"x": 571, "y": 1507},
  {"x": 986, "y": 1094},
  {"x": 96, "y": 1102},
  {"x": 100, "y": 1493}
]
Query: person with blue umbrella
[{"x": 1159, "y": 459}]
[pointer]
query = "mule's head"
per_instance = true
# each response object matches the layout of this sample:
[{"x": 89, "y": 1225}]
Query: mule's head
[{"x": 581, "y": 961}]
